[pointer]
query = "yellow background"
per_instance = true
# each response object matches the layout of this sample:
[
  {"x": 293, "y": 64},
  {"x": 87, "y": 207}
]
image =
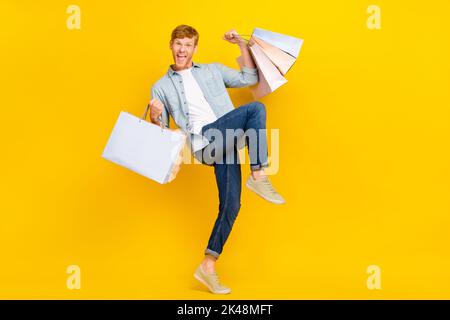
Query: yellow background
[{"x": 364, "y": 150}]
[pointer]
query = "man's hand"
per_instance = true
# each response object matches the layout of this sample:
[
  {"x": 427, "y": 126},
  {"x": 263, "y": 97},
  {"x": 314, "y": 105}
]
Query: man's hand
[
  {"x": 232, "y": 36},
  {"x": 156, "y": 108}
]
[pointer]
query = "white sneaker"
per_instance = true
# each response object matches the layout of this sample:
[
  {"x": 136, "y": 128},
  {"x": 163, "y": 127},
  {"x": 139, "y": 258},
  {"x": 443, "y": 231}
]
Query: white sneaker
[
  {"x": 211, "y": 281},
  {"x": 264, "y": 189}
]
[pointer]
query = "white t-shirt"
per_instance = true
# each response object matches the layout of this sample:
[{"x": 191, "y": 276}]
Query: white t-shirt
[{"x": 200, "y": 112}]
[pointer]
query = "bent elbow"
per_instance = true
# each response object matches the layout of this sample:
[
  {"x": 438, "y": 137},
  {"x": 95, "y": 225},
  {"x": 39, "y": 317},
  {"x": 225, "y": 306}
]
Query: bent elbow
[{"x": 253, "y": 80}]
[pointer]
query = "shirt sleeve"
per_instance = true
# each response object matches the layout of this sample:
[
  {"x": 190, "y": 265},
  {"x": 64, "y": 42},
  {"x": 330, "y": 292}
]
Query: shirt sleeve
[
  {"x": 156, "y": 94},
  {"x": 236, "y": 79}
]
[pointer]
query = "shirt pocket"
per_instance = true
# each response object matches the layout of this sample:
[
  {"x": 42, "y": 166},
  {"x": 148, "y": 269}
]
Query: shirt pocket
[
  {"x": 173, "y": 103},
  {"x": 215, "y": 86}
]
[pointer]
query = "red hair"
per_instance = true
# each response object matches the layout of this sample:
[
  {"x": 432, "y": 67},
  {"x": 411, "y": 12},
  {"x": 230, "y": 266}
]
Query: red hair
[{"x": 183, "y": 31}]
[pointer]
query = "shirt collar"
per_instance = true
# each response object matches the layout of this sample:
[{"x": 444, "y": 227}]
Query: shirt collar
[{"x": 194, "y": 65}]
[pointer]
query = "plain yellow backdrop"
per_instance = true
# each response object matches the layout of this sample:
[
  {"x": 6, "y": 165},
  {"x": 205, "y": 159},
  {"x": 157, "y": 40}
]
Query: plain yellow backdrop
[{"x": 364, "y": 126}]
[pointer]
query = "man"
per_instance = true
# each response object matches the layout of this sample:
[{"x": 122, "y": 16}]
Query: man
[{"x": 195, "y": 96}]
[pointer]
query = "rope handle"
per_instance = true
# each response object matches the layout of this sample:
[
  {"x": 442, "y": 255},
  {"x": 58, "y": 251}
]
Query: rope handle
[{"x": 244, "y": 35}]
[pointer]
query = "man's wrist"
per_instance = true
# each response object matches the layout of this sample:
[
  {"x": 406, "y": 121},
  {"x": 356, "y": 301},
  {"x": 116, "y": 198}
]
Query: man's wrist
[{"x": 242, "y": 45}]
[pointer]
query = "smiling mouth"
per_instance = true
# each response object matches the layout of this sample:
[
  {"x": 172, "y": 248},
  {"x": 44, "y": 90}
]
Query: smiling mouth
[{"x": 181, "y": 57}]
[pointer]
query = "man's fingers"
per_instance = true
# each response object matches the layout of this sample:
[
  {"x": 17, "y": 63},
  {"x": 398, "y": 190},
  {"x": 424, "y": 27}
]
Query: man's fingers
[
  {"x": 232, "y": 36},
  {"x": 232, "y": 33},
  {"x": 156, "y": 104},
  {"x": 155, "y": 112}
]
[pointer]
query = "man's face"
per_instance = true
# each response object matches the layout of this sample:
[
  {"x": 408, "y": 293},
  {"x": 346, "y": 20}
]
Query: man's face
[{"x": 182, "y": 51}]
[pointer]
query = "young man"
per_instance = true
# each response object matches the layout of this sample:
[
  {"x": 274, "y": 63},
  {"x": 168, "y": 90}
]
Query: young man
[{"x": 195, "y": 96}]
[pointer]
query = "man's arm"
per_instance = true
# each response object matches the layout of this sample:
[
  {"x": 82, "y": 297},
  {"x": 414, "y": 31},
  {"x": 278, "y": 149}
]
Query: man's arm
[
  {"x": 237, "y": 79},
  {"x": 246, "y": 56},
  {"x": 248, "y": 75}
]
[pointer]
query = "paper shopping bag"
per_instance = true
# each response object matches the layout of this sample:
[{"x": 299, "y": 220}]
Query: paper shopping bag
[
  {"x": 145, "y": 148},
  {"x": 270, "y": 77},
  {"x": 274, "y": 54},
  {"x": 282, "y": 60},
  {"x": 288, "y": 44}
]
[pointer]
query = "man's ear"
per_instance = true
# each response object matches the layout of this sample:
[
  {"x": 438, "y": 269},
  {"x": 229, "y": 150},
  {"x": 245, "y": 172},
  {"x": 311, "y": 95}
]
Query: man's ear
[
  {"x": 195, "y": 49},
  {"x": 170, "y": 44}
]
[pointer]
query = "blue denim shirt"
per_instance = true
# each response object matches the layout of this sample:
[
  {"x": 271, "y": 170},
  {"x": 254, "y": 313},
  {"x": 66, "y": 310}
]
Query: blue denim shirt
[{"x": 213, "y": 79}]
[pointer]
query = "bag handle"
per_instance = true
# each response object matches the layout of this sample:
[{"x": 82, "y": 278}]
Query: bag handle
[{"x": 244, "y": 35}]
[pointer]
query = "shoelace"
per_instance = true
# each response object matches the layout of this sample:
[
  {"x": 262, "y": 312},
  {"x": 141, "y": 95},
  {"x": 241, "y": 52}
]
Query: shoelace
[
  {"x": 215, "y": 278},
  {"x": 269, "y": 185}
]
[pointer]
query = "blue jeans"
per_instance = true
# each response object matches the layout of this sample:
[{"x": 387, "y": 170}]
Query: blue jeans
[{"x": 227, "y": 167}]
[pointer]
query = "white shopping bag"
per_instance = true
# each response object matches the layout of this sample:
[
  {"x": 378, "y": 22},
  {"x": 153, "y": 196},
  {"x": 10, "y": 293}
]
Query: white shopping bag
[
  {"x": 291, "y": 45},
  {"x": 145, "y": 148},
  {"x": 282, "y": 60},
  {"x": 274, "y": 54}
]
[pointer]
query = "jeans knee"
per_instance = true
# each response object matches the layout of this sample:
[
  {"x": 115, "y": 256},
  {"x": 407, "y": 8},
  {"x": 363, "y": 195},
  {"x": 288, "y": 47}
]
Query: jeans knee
[
  {"x": 259, "y": 106},
  {"x": 259, "y": 111},
  {"x": 233, "y": 207}
]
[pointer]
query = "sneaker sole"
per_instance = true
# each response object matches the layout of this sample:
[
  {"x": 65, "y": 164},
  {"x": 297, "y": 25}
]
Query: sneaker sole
[
  {"x": 264, "y": 197},
  {"x": 208, "y": 286}
]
